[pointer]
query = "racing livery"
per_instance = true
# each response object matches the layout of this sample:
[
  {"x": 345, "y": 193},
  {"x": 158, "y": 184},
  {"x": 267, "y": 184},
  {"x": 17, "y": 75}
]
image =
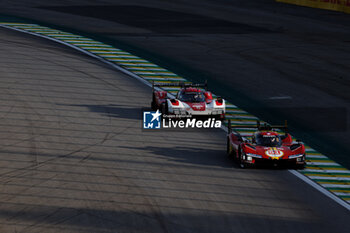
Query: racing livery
[
  {"x": 191, "y": 99},
  {"x": 266, "y": 146}
]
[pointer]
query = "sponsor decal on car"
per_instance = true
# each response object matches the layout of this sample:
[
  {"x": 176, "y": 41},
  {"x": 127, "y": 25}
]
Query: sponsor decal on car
[{"x": 274, "y": 153}]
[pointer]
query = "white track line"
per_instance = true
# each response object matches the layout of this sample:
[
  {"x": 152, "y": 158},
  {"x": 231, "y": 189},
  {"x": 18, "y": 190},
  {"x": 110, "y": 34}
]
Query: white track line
[
  {"x": 302, "y": 177},
  {"x": 322, "y": 190}
]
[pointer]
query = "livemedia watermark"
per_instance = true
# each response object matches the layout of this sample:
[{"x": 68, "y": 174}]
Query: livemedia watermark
[{"x": 157, "y": 120}]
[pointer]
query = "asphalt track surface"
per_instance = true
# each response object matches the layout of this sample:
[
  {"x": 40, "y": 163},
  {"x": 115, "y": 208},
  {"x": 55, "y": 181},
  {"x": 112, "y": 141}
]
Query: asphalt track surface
[
  {"x": 275, "y": 60},
  {"x": 301, "y": 55},
  {"x": 74, "y": 159}
]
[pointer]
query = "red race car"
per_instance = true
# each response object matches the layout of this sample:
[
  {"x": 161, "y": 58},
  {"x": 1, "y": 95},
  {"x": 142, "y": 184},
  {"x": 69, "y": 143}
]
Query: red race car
[
  {"x": 191, "y": 99},
  {"x": 265, "y": 146}
]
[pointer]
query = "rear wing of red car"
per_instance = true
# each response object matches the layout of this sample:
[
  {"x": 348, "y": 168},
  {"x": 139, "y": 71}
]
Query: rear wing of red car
[{"x": 259, "y": 126}]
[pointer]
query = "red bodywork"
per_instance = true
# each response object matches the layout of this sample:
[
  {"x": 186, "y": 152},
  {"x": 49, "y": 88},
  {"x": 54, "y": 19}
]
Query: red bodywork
[
  {"x": 159, "y": 97},
  {"x": 208, "y": 96},
  {"x": 191, "y": 89},
  {"x": 197, "y": 106},
  {"x": 249, "y": 153}
]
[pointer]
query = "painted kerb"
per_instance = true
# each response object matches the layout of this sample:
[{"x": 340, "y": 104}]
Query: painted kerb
[{"x": 335, "y": 5}]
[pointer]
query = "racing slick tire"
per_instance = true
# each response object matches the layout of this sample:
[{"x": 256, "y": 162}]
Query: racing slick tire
[
  {"x": 300, "y": 166},
  {"x": 164, "y": 108},
  {"x": 229, "y": 150},
  {"x": 241, "y": 164},
  {"x": 153, "y": 107},
  {"x": 153, "y": 104},
  {"x": 219, "y": 117}
]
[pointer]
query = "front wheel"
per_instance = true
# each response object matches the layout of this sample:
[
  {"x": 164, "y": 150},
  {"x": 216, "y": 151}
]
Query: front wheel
[
  {"x": 242, "y": 164},
  {"x": 300, "y": 166}
]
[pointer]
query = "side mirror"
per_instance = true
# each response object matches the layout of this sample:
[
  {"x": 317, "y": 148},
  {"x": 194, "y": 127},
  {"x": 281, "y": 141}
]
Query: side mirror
[
  {"x": 219, "y": 100},
  {"x": 174, "y": 102},
  {"x": 208, "y": 95}
]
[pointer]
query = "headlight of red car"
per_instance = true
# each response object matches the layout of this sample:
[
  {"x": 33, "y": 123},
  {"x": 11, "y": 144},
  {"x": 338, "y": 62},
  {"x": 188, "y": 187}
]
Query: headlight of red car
[
  {"x": 295, "y": 156},
  {"x": 254, "y": 155}
]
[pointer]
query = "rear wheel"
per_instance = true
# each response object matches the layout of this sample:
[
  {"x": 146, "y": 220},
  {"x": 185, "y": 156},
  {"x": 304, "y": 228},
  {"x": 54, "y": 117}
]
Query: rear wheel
[
  {"x": 229, "y": 150},
  {"x": 153, "y": 104},
  {"x": 164, "y": 108}
]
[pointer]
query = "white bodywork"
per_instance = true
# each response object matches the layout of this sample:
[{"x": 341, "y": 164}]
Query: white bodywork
[{"x": 210, "y": 108}]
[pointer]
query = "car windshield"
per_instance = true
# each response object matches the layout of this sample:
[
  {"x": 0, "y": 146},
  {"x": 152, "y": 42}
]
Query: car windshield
[
  {"x": 192, "y": 97},
  {"x": 268, "y": 140}
]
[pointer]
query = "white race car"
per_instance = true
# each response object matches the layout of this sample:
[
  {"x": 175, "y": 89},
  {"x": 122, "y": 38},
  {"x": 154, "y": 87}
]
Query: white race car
[{"x": 190, "y": 100}]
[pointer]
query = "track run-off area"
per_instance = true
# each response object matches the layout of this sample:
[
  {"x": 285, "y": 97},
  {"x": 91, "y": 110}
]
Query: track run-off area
[{"x": 74, "y": 156}]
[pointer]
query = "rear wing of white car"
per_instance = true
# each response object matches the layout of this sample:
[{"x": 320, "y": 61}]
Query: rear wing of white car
[{"x": 181, "y": 85}]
